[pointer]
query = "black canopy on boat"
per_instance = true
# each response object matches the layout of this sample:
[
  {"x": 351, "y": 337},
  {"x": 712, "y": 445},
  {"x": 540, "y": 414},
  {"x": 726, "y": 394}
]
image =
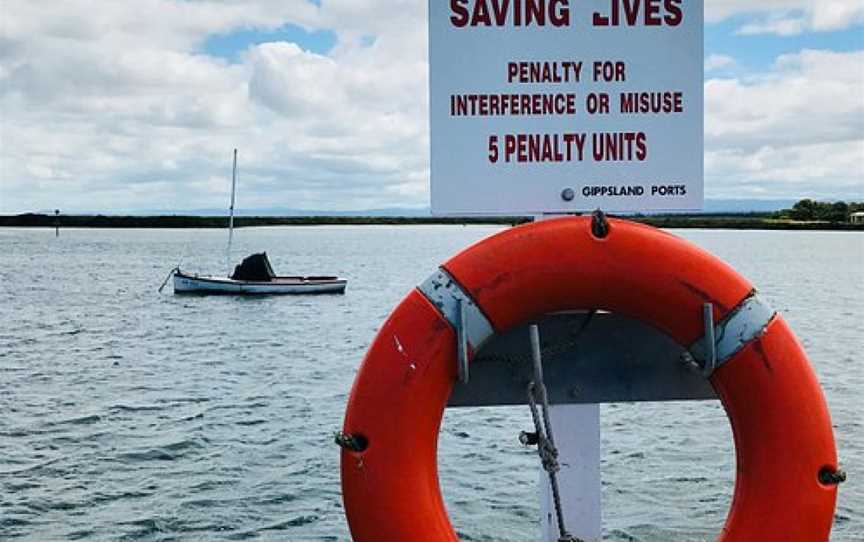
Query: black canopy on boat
[{"x": 255, "y": 267}]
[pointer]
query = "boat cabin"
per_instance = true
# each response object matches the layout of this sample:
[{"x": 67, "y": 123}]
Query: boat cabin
[{"x": 255, "y": 268}]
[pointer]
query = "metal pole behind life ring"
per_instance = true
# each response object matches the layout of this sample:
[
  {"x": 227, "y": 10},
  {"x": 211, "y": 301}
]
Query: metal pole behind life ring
[{"x": 577, "y": 437}]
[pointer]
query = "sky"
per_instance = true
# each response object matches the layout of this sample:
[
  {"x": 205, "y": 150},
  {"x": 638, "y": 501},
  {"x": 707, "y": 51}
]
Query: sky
[{"x": 110, "y": 106}]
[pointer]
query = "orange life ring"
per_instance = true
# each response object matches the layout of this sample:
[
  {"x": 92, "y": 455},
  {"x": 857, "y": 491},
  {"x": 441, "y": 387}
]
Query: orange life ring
[{"x": 780, "y": 421}]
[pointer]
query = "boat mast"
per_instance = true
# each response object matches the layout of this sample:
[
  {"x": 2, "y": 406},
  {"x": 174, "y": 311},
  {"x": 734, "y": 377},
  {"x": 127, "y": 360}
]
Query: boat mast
[{"x": 231, "y": 213}]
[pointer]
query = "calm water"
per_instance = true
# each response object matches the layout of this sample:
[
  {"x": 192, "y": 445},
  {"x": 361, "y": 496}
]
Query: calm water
[{"x": 130, "y": 415}]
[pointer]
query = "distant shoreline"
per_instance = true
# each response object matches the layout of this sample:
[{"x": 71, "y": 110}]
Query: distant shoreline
[{"x": 752, "y": 221}]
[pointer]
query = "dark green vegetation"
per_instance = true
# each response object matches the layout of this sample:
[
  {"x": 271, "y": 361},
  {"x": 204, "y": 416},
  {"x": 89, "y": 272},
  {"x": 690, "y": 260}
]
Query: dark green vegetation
[
  {"x": 808, "y": 210},
  {"x": 742, "y": 222},
  {"x": 804, "y": 215},
  {"x": 175, "y": 221}
]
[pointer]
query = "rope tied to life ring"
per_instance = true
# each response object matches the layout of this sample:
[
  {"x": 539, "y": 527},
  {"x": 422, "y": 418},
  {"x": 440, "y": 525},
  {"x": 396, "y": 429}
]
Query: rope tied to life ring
[{"x": 543, "y": 437}]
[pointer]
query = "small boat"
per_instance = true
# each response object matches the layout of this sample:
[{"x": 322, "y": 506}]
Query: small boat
[{"x": 254, "y": 275}]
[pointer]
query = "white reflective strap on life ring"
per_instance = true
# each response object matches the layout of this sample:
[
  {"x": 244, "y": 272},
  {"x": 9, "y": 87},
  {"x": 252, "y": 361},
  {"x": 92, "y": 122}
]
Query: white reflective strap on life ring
[
  {"x": 743, "y": 324},
  {"x": 446, "y": 294}
]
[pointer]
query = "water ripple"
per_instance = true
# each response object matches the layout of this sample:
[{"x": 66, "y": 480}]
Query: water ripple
[{"x": 130, "y": 415}]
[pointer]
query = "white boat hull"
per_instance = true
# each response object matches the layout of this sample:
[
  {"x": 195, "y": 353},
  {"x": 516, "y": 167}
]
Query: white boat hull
[{"x": 194, "y": 284}]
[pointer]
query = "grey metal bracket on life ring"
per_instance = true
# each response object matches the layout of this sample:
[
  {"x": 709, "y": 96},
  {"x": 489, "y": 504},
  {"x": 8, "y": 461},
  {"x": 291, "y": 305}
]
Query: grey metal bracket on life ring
[
  {"x": 736, "y": 330},
  {"x": 599, "y": 357},
  {"x": 588, "y": 357},
  {"x": 456, "y": 305}
]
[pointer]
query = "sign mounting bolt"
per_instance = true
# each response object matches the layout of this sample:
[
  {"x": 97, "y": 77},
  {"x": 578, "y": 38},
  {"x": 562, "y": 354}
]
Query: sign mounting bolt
[{"x": 568, "y": 194}]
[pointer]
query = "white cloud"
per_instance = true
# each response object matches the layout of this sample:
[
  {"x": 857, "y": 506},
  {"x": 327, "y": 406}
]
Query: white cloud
[
  {"x": 780, "y": 26},
  {"x": 789, "y": 17},
  {"x": 716, "y": 62},
  {"x": 836, "y": 14},
  {"x": 105, "y": 106},
  {"x": 100, "y": 103},
  {"x": 798, "y": 129},
  {"x": 815, "y": 15}
]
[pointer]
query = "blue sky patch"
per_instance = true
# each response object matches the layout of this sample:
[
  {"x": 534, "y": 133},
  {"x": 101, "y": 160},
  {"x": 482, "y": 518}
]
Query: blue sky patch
[
  {"x": 231, "y": 45},
  {"x": 756, "y": 53}
]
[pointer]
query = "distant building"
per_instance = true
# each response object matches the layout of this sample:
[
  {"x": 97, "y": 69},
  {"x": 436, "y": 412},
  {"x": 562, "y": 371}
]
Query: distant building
[{"x": 857, "y": 218}]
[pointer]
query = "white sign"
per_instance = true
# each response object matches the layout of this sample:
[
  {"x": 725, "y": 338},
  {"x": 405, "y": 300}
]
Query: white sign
[{"x": 549, "y": 106}]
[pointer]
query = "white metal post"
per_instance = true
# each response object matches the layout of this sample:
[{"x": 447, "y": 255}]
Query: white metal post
[{"x": 577, "y": 437}]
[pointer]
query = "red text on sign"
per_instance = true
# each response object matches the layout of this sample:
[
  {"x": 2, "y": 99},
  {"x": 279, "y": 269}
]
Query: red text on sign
[
  {"x": 509, "y": 12},
  {"x": 544, "y": 72},
  {"x": 538, "y": 148},
  {"x": 619, "y": 146},
  {"x": 652, "y": 102},
  {"x": 494, "y": 105},
  {"x": 609, "y": 71},
  {"x": 641, "y": 12}
]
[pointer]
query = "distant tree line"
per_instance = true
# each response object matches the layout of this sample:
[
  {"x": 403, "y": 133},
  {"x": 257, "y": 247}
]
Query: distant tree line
[{"x": 808, "y": 209}]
